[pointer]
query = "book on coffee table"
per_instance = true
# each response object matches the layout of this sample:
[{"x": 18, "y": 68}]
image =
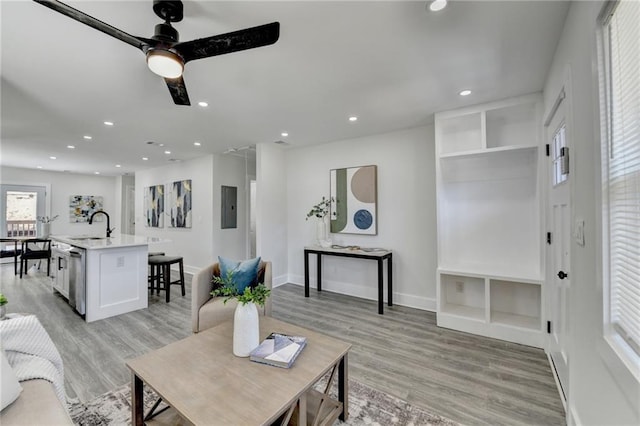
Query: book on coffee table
[{"x": 279, "y": 350}]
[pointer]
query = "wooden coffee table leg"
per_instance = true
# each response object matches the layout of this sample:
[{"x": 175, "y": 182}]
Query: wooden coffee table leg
[
  {"x": 343, "y": 387},
  {"x": 302, "y": 409},
  {"x": 137, "y": 407}
]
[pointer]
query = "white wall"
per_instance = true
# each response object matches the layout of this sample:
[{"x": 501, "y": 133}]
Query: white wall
[
  {"x": 193, "y": 244},
  {"x": 595, "y": 395},
  {"x": 406, "y": 214},
  {"x": 63, "y": 185},
  {"x": 271, "y": 209}
]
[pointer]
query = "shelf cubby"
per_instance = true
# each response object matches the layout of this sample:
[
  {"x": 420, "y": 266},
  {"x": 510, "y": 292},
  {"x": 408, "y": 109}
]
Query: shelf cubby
[
  {"x": 462, "y": 133},
  {"x": 515, "y": 304},
  {"x": 512, "y": 125},
  {"x": 463, "y": 296}
]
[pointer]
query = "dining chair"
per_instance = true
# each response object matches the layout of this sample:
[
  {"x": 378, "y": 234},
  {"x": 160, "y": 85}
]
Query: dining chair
[
  {"x": 10, "y": 249},
  {"x": 35, "y": 249}
]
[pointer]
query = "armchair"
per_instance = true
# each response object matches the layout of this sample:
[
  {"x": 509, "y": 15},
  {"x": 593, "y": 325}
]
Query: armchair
[{"x": 208, "y": 311}]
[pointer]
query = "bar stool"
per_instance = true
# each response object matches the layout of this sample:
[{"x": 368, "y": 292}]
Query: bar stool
[
  {"x": 162, "y": 267},
  {"x": 152, "y": 270}
]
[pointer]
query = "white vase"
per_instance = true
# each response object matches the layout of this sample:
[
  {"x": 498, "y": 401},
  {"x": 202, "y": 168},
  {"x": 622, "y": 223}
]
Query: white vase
[
  {"x": 45, "y": 230},
  {"x": 246, "y": 329},
  {"x": 322, "y": 232},
  {"x": 3, "y": 311}
]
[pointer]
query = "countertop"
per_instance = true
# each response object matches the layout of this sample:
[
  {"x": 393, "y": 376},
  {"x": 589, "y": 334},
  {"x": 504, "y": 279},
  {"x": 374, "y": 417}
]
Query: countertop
[{"x": 94, "y": 242}]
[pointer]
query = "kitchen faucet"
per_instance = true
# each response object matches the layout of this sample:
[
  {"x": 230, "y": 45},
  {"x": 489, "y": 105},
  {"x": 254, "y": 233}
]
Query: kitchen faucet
[{"x": 109, "y": 230}]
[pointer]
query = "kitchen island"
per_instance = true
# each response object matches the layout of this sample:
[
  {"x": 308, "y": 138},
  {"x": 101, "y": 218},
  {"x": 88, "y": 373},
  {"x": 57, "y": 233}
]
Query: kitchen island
[{"x": 111, "y": 271}]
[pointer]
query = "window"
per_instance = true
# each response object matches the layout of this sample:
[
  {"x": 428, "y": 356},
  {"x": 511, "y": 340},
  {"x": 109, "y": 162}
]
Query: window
[
  {"x": 559, "y": 156},
  {"x": 621, "y": 178}
]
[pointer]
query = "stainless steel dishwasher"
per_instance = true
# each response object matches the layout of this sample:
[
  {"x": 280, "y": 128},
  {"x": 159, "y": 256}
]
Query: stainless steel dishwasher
[{"x": 77, "y": 279}]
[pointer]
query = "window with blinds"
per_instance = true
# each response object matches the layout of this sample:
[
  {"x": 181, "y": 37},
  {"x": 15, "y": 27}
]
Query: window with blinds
[{"x": 621, "y": 173}]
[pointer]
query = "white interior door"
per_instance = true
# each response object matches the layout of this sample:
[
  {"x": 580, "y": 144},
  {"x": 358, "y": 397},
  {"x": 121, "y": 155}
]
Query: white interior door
[{"x": 558, "y": 276}]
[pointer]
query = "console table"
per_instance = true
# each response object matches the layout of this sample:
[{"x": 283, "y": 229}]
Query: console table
[{"x": 377, "y": 255}]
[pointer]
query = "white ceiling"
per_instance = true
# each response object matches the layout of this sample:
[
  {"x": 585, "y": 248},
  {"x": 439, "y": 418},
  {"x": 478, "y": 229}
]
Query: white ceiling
[{"x": 393, "y": 64}]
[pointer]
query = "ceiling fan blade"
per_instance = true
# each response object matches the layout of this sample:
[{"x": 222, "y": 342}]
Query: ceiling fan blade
[
  {"x": 178, "y": 90},
  {"x": 75, "y": 14},
  {"x": 235, "y": 41}
]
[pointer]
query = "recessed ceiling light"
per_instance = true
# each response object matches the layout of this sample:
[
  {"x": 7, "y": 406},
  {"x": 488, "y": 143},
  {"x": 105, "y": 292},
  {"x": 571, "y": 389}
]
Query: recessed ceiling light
[
  {"x": 144, "y": 158},
  {"x": 108, "y": 123},
  {"x": 197, "y": 143},
  {"x": 97, "y": 173},
  {"x": 87, "y": 137},
  {"x": 465, "y": 93},
  {"x": 38, "y": 167},
  {"x": 53, "y": 158},
  {"x": 284, "y": 134},
  {"x": 118, "y": 165},
  {"x": 160, "y": 144},
  {"x": 71, "y": 147},
  {"x": 353, "y": 118},
  {"x": 437, "y": 5},
  {"x": 167, "y": 152},
  {"x": 203, "y": 104}
]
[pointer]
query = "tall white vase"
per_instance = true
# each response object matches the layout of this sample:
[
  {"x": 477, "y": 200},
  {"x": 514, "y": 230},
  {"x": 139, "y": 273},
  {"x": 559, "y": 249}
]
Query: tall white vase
[
  {"x": 322, "y": 232},
  {"x": 246, "y": 329}
]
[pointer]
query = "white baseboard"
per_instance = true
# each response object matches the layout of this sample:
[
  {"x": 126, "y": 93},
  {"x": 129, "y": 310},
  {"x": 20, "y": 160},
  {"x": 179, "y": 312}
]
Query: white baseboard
[
  {"x": 573, "y": 419},
  {"x": 369, "y": 293},
  {"x": 557, "y": 380},
  {"x": 278, "y": 281}
]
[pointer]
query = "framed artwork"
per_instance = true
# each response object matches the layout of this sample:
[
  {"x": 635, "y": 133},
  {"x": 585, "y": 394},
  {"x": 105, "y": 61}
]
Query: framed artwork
[
  {"x": 154, "y": 206},
  {"x": 354, "y": 191},
  {"x": 81, "y": 207},
  {"x": 179, "y": 199}
]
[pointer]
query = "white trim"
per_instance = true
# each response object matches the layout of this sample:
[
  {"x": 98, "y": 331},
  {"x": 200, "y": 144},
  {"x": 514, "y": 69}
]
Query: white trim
[
  {"x": 554, "y": 107},
  {"x": 557, "y": 380},
  {"x": 574, "y": 419},
  {"x": 368, "y": 292}
]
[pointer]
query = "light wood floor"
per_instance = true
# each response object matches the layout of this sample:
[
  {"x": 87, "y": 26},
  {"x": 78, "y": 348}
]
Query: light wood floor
[{"x": 470, "y": 379}]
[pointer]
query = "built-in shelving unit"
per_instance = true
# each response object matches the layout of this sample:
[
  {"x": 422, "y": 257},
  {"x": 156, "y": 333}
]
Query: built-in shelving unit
[{"x": 489, "y": 277}]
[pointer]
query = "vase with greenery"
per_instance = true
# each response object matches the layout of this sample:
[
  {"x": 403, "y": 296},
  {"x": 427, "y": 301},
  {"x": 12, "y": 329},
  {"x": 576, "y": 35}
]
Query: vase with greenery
[
  {"x": 321, "y": 212},
  {"x": 45, "y": 225},
  {"x": 3, "y": 306},
  {"x": 246, "y": 322}
]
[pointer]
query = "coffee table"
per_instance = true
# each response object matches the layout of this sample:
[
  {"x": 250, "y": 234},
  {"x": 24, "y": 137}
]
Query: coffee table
[{"x": 204, "y": 383}]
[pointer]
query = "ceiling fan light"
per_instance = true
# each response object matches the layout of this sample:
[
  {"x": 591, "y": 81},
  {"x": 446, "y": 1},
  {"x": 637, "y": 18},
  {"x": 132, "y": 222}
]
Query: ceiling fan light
[{"x": 165, "y": 63}]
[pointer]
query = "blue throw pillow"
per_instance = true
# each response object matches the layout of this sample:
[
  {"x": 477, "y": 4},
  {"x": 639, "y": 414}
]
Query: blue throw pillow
[{"x": 245, "y": 273}]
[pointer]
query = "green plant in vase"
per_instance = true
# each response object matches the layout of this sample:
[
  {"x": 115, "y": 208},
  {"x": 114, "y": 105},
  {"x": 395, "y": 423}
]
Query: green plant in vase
[
  {"x": 227, "y": 288},
  {"x": 245, "y": 318}
]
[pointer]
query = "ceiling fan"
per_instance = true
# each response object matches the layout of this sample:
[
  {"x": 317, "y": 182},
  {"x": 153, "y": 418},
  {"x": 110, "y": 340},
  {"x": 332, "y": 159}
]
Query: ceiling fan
[{"x": 166, "y": 56}]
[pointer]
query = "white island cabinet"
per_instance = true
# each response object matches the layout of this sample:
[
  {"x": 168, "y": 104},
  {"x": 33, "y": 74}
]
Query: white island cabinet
[{"x": 115, "y": 273}]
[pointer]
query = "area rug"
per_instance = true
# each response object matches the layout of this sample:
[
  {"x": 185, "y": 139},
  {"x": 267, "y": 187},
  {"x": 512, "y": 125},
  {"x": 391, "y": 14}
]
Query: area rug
[{"x": 367, "y": 406}]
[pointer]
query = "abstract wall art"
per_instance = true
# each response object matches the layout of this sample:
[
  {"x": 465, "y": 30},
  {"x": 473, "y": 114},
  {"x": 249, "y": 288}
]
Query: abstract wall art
[
  {"x": 354, "y": 192},
  {"x": 180, "y": 204},
  {"x": 81, "y": 207},
  {"x": 154, "y": 206}
]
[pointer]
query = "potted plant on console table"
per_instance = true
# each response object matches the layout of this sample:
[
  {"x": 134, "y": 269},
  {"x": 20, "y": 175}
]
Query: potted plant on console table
[
  {"x": 321, "y": 211},
  {"x": 246, "y": 326}
]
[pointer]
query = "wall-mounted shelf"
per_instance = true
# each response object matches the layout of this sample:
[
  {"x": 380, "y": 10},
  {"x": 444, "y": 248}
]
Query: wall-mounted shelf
[{"x": 490, "y": 244}]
